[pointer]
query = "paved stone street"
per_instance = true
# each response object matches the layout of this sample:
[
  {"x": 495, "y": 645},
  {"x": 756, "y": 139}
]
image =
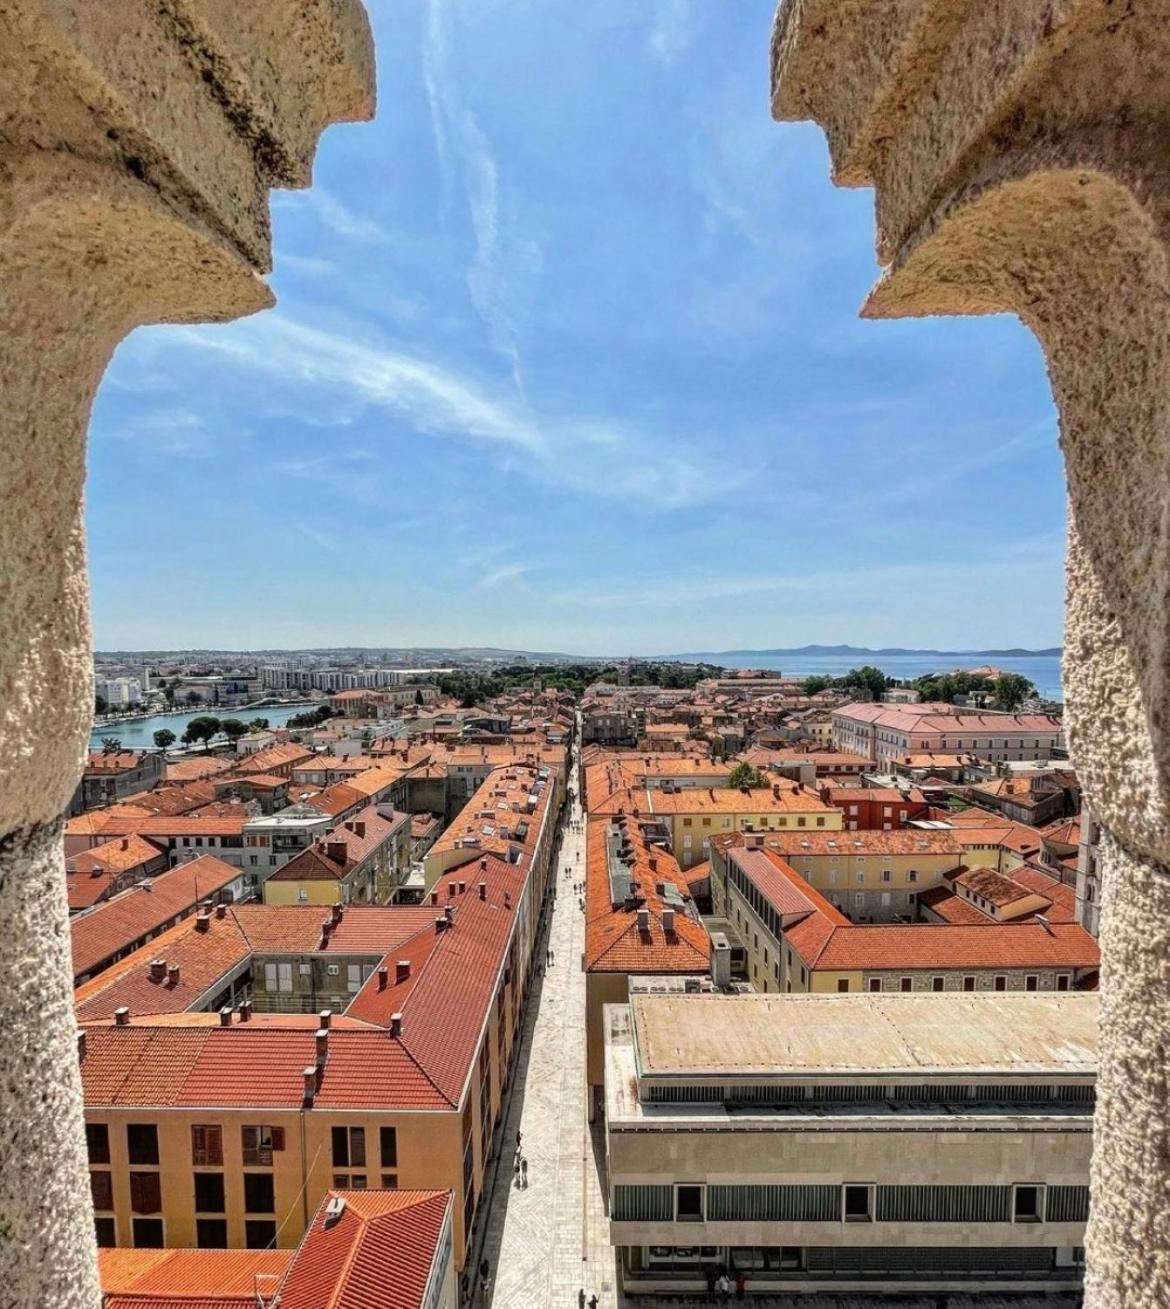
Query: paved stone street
[{"x": 547, "y": 1241}]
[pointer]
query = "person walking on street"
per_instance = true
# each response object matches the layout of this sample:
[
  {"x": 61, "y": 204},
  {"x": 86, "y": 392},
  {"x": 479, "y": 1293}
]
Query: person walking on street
[
  {"x": 593, "y": 1301},
  {"x": 524, "y": 1173},
  {"x": 518, "y": 1138}
]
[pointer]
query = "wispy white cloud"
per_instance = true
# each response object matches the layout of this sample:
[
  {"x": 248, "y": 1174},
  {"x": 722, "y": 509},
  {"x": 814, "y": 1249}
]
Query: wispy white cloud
[
  {"x": 171, "y": 432},
  {"x": 593, "y": 456},
  {"x": 310, "y": 265},
  {"x": 505, "y": 573},
  {"x": 505, "y": 261},
  {"x": 330, "y": 211}
]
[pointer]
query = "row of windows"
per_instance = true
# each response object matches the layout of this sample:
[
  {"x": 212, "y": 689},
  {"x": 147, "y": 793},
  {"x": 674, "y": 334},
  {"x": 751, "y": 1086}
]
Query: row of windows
[
  {"x": 257, "y": 1144},
  {"x": 210, "y": 1233},
  {"x": 851, "y": 1202},
  {"x": 969, "y": 982}
]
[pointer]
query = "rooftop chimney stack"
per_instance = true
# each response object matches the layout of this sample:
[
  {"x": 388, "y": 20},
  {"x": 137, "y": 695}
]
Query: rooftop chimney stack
[
  {"x": 483, "y": 890},
  {"x": 440, "y": 924},
  {"x": 322, "y": 1046},
  {"x": 122, "y": 1016},
  {"x": 643, "y": 920},
  {"x": 245, "y": 1010},
  {"x": 220, "y": 910},
  {"x": 310, "y": 1078},
  {"x": 172, "y": 974},
  {"x": 395, "y": 1024},
  {"x": 449, "y": 914},
  {"x": 335, "y": 912},
  {"x": 225, "y": 1016},
  {"x": 81, "y": 1047},
  {"x": 462, "y": 888},
  {"x": 383, "y": 975},
  {"x": 434, "y": 897},
  {"x": 668, "y": 920},
  {"x": 326, "y": 1017},
  {"x": 203, "y": 920},
  {"x": 158, "y": 969},
  {"x": 401, "y": 971}
]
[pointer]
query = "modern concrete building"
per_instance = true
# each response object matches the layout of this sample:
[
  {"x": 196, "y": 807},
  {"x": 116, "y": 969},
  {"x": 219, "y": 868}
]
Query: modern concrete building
[{"x": 854, "y": 1144}]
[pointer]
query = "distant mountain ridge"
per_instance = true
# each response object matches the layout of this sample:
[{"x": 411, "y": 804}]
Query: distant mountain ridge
[{"x": 861, "y": 651}]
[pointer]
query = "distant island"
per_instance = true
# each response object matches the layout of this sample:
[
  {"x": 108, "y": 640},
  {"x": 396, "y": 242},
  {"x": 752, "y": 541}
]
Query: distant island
[{"x": 861, "y": 651}]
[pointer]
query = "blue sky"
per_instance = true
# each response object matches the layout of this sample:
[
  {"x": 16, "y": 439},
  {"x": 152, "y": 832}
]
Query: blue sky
[{"x": 567, "y": 356}]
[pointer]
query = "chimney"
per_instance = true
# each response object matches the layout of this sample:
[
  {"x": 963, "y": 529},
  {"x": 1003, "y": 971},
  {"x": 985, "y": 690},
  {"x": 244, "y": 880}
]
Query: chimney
[
  {"x": 220, "y": 910},
  {"x": 507, "y": 899},
  {"x": 450, "y": 890},
  {"x": 359, "y": 828},
  {"x": 653, "y": 864},
  {"x": 203, "y": 920},
  {"x": 483, "y": 865},
  {"x": 395, "y": 1024},
  {"x": 125, "y": 843},
  {"x": 434, "y": 897},
  {"x": 158, "y": 969},
  {"x": 80, "y": 1046},
  {"x": 401, "y": 971},
  {"x": 122, "y": 1017},
  {"x": 668, "y": 920},
  {"x": 335, "y": 912},
  {"x": 483, "y": 890},
  {"x": 462, "y": 888},
  {"x": 440, "y": 924},
  {"x": 322, "y": 1045},
  {"x": 383, "y": 975},
  {"x": 449, "y": 914},
  {"x": 310, "y": 1076},
  {"x": 245, "y": 1010},
  {"x": 643, "y": 920},
  {"x": 173, "y": 975},
  {"x": 225, "y": 1016},
  {"x": 326, "y": 1017}
]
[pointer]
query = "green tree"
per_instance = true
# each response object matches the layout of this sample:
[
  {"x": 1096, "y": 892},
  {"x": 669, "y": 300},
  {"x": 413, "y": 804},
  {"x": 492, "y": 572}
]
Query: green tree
[
  {"x": 233, "y": 729},
  {"x": 815, "y": 684},
  {"x": 311, "y": 717},
  {"x": 202, "y": 729},
  {"x": 418, "y": 696},
  {"x": 168, "y": 691},
  {"x": 868, "y": 678},
  {"x": 193, "y": 698},
  {"x": 111, "y": 745},
  {"x": 100, "y": 704},
  {"x": 258, "y": 724},
  {"x": 746, "y": 778},
  {"x": 1011, "y": 690},
  {"x": 718, "y": 748},
  {"x": 164, "y": 737}
]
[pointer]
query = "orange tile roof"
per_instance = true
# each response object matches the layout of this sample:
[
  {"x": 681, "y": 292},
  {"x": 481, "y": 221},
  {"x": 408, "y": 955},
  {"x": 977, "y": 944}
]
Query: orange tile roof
[
  {"x": 281, "y": 755},
  {"x": 879, "y": 947},
  {"x": 250, "y": 1064},
  {"x": 196, "y": 769},
  {"x": 613, "y": 942},
  {"x": 120, "y": 761},
  {"x": 905, "y": 841},
  {"x": 117, "y": 856},
  {"x": 496, "y": 819},
  {"x": 950, "y": 907},
  {"x": 144, "y": 908},
  {"x": 335, "y": 799},
  {"x": 377, "y": 1255},
  {"x": 188, "y": 1273}
]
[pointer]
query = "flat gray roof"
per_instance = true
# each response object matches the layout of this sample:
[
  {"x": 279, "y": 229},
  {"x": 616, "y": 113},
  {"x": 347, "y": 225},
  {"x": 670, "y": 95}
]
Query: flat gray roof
[{"x": 905, "y": 1035}]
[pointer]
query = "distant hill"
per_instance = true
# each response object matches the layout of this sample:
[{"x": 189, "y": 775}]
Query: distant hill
[{"x": 864, "y": 652}]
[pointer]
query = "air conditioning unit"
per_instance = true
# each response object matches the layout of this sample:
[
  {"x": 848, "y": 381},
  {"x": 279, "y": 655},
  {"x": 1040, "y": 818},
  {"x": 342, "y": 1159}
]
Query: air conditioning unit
[{"x": 334, "y": 969}]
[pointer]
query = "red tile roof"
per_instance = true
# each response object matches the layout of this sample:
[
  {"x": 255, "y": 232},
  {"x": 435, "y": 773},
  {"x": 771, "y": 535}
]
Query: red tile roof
[
  {"x": 377, "y": 1255},
  {"x": 131, "y": 914},
  {"x": 188, "y": 1274},
  {"x": 613, "y": 941}
]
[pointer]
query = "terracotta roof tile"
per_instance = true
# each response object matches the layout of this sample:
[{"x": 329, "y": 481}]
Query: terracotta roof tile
[{"x": 376, "y": 1255}]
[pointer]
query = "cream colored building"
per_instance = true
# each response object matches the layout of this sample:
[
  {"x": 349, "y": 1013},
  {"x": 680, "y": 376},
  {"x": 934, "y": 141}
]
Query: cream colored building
[{"x": 850, "y": 1144}]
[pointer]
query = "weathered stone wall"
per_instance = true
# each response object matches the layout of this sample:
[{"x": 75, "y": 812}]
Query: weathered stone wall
[
  {"x": 1019, "y": 154},
  {"x": 138, "y": 144}
]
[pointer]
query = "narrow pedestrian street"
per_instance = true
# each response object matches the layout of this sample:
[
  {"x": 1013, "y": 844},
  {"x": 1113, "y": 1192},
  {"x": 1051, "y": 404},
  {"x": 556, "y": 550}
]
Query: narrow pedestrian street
[{"x": 547, "y": 1241}]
